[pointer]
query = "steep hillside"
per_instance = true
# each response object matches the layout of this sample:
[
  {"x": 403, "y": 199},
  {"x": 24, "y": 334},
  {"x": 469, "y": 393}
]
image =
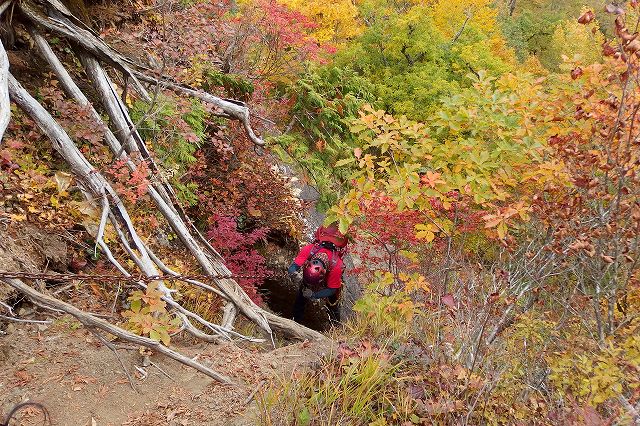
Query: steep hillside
[{"x": 164, "y": 162}]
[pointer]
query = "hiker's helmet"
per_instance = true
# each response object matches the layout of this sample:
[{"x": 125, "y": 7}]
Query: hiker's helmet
[{"x": 315, "y": 272}]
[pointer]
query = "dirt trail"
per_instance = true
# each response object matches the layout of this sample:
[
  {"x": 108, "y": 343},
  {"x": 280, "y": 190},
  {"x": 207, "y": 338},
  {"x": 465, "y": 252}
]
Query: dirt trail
[{"x": 81, "y": 382}]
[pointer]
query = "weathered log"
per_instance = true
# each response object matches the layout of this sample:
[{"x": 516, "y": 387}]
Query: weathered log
[
  {"x": 210, "y": 261},
  {"x": 230, "y": 108},
  {"x": 229, "y": 315},
  {"x": 62, "y": 25},
  {"x": 91, "y": 321},
  {"x": 72, "y": 90}
]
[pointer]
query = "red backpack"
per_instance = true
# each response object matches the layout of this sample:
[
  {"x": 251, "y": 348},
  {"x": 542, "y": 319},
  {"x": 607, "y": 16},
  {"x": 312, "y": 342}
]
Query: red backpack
[{"x": 331, "y": 234}]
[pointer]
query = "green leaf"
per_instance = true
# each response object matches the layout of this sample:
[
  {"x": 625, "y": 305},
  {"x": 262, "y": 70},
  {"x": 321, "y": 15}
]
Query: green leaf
[
  {"x": 344, "y": 162},
  {"x": 164, "y": 336},
  {"x": 343, "y": 225},
  {"x": 136, "y": 305},
  {"x": 502, "y": 230},
  {"x": 154, "y": 335},
  {"x": 304, "y": 417}
]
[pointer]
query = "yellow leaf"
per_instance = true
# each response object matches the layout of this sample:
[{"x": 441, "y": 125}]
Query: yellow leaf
[
  {"x": 412, "y": 256},
  {"x": 502, "y": 230},
  {"x": 63, "y": 181},
  {"x": 426, "y": 232}
]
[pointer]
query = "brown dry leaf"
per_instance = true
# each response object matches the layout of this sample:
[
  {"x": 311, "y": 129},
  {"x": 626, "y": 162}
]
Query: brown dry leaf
[
  {"x": 633, "y": 46},
  {"x": 57, "y": 378},
  {"x": 586, "y": 17},
  {"x": 63, "y": 181},
  {"x": 84, "y": 379},
  {"x": 607, "y": 259},
  {"x": 254, "y": 212},
  {"x": 22, "y": 378}
]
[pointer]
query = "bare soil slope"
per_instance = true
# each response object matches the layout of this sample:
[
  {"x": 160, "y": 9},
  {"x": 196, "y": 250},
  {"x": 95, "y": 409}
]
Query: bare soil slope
[{"x": 81, "y": 382}]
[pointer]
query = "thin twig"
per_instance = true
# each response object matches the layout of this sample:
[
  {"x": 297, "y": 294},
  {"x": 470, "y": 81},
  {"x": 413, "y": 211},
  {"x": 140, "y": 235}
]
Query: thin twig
[
  {"x": 142, "y": 371},
  {"x": 103, "y": 223},
  {"x": 7, "y": 307},
  {"x": 254, "y": 392},
  {"x": 161, "y": 370},
  {"x": 111, "y": 346},
  {"x": 25, "y": 320},
  {"x": 464, "y": 24}
]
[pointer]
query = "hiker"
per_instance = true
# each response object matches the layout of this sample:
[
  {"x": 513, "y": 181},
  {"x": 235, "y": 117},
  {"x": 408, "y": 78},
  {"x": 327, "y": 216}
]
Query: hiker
[{"x": 318, "y": 269}]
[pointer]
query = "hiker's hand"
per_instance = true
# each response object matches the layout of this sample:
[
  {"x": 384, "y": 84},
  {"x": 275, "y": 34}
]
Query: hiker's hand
[{"x": 307, "y": 293}]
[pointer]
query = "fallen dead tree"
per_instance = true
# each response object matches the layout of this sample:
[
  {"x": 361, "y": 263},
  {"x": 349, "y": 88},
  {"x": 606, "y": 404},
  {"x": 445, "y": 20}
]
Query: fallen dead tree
[
  {"x": 96, "y": 324},
  {"x": 97, "y": 188},
  {"x": 121, "y": 136}
]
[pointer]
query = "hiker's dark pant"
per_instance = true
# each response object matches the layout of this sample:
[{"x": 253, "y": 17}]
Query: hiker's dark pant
[{"x": 332, "y": 305}]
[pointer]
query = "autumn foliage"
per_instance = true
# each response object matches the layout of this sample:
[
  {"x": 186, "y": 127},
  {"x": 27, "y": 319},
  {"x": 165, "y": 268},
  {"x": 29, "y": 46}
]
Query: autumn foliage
[
  {"x": 483, "y": 157},
  {"x": 498, "y": 236}
]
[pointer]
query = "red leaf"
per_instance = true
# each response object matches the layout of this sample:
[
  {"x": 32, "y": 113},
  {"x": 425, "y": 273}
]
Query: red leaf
[
  {"x": 448, "y": 300},
  {"x": 576, "y": 72},
  {"x": 607, "y": 50}
]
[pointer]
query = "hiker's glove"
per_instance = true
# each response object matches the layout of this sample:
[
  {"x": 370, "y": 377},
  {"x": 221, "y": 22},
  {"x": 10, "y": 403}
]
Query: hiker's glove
[
  {"x": 307, "y": 293},
  {"x": 296, "y": 277}
]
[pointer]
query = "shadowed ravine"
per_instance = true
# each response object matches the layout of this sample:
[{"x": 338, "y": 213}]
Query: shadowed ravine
[{"x": 280, "y": 293}]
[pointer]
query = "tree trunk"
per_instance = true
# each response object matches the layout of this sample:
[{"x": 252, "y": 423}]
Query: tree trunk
[{"x": 96, "y": 187}]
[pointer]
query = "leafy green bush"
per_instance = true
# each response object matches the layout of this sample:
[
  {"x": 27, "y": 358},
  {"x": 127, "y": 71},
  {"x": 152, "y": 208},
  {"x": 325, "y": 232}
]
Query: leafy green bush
[
  {"x": 175, "y": 130},
  {"x": 323, "y": 102}
]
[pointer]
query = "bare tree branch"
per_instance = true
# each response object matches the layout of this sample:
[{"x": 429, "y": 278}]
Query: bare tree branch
[{"x": 93, "y": 322}]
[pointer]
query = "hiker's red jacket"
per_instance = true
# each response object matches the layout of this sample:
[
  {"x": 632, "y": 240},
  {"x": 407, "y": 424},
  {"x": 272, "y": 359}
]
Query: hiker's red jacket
[{"x": 336, "y": 265}]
